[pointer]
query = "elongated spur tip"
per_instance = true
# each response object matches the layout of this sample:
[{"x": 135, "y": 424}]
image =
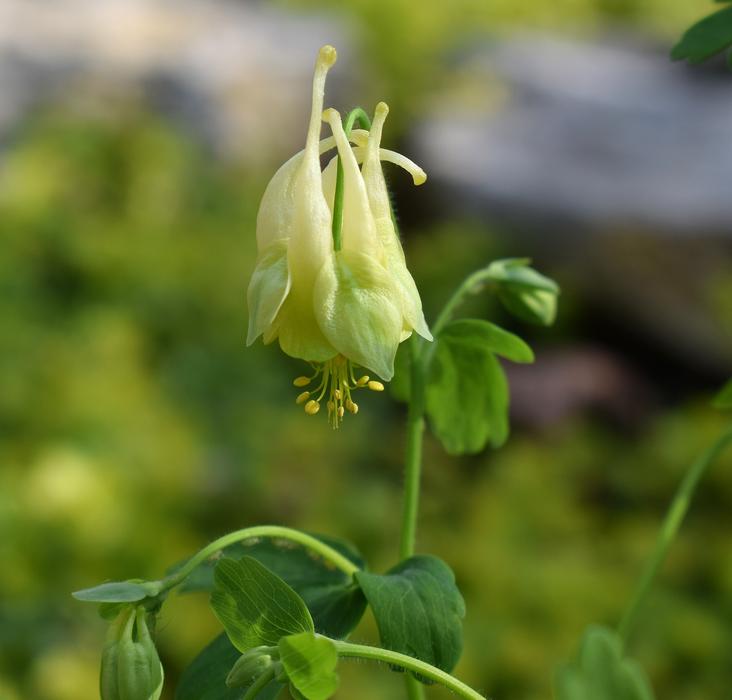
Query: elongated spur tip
[
  {"x": 327, "y": 55},
  {"x": 382, "y": 109},
  {"x": 419, "y": 177},
  {"x": 330, "y": 115}
]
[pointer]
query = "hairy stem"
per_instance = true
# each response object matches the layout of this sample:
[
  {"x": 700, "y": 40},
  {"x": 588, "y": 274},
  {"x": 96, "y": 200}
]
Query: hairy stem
[
  {"x": 670, "y": 527},
  {"x": 284, "y": 533},
  {"x": 357, "y": 114},
  {"x": 409, "y": 663}
]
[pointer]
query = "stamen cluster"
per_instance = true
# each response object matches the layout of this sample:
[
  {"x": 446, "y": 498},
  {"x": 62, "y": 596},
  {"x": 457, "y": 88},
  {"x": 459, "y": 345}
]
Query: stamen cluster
[{"x": 336, "y": 380}]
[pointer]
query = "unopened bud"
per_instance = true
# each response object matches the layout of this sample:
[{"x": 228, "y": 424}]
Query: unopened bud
[
  {"x": 249, "y": 666},
  {"x": 131, "y": 668}
]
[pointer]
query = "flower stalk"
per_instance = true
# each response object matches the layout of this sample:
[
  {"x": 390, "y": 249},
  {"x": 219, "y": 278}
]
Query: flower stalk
[
  {"x": 409, "y": 663},
  {"x": 274, "y": 531},
  {"x": 357, "y": 114},
  {"x": 669, "y": 529}
]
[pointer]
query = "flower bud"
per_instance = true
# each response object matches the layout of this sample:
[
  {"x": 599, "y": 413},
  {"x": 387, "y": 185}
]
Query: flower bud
[
  {"x": 131, "y": 668},
  {"x": 249, "y": 666}
]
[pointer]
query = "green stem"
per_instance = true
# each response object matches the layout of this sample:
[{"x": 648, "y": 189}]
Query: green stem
[
  {"x": 409, "y": 663},
  {"x": 415, "y": 432},
  {"x": 415, "y": 417},
  {"x": 285, "y": 533},
  {"x": 669, "y": 529},
  {"x": 412, "y": 475},
  {"x": 413, "y": 456},
  {"x": 415, "y": 690},
  {"x": 355, "y": 114},
  {"x": 259, "y": 684},
  {"x": 469, "y": 286}
]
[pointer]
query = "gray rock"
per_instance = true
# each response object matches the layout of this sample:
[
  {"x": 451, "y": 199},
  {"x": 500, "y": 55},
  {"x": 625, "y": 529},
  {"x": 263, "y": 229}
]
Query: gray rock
[{"x": 596, "y": 135}]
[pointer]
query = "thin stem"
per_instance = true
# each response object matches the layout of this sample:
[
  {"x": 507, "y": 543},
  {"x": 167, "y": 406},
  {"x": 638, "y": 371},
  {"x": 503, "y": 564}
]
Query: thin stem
[
  {"x": 413, "y": 455},
  {"x": 415, "y": 418},
  {"x": 467, "y": 287},
  {"x": 259, "y": 684},
  {"x": 285, "y": 533},
  {"x": 669, "y": 529},
  {"x": 415, "y": 690},
  {"x": 409, "y": 663},
  {"x": 355, "y": 114},
  {"x": 415, "y": 432},
  {"x": 412, "y": 476}
]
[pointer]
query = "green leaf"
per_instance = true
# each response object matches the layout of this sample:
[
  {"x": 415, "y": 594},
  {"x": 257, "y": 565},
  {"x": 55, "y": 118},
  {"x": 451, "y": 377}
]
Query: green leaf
[
  {"x": 335, "y": 602},
  {"x": 601, "y": 672},
  {"x": 205, "y": 677},
  {"x": 467, "y": 393},
  {"x": 723, "y": 400},
  {"x": 705, "y": 38},
  {"x": 130, "y": 591},
  {"x": 523, "y": 291},
  {"x": 310, "y": 663},
  {"x": 472, "y": 333},
  {"x": 418, "y": 609},
  {"x": 255, "y": 606}
]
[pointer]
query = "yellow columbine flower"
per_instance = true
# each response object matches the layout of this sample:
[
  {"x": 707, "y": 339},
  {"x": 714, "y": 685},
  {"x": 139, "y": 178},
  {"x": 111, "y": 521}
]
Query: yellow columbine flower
[{"x": 336, "y": 309}]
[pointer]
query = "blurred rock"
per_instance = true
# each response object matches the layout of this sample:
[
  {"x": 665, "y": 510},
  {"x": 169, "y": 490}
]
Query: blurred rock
[
  {"x": 569, "y": 383},
  {"x": 236, "y": 73},
  {"x": 620, "y": 162},
  {"x": 591, "y": 134}
]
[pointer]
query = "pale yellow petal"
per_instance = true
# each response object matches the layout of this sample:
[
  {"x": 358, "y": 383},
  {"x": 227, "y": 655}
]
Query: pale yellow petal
[
  {"x": 268, "y": 288},
  {"x": 354, "y": 302},
  {"x": 409, "y": 299},
  {"x": 311, "y": 244},
  {"x": 358, "y": 232}
]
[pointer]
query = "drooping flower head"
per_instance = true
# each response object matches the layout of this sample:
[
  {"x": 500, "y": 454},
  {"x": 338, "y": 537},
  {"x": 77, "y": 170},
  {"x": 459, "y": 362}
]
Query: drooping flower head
[{"x": 334, "y": 293}]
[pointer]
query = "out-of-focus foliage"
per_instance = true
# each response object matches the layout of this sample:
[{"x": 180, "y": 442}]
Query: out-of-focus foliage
[
  {"x": 600, "y": 671},
  {"x": 723, "y": 399}
]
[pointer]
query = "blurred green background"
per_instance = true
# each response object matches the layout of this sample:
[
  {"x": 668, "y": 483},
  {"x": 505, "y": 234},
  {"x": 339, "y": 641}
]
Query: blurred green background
[{"x": 135, "y": 426}]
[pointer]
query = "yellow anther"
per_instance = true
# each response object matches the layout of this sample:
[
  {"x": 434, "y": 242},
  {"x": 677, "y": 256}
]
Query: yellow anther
[
  {"x": 341, "y": 411},
  {"x": 302, "y": 397},
  {"x": 301, "y": 381},
  {"x": 312, "y": 407},
  {"x": 364, "y": 380},
  {"x": 376, "y": 386},
  {"x": 337, "y": 394},
  {"x": 352, "y": 407},
  {"x": 331, "y": 406}
]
